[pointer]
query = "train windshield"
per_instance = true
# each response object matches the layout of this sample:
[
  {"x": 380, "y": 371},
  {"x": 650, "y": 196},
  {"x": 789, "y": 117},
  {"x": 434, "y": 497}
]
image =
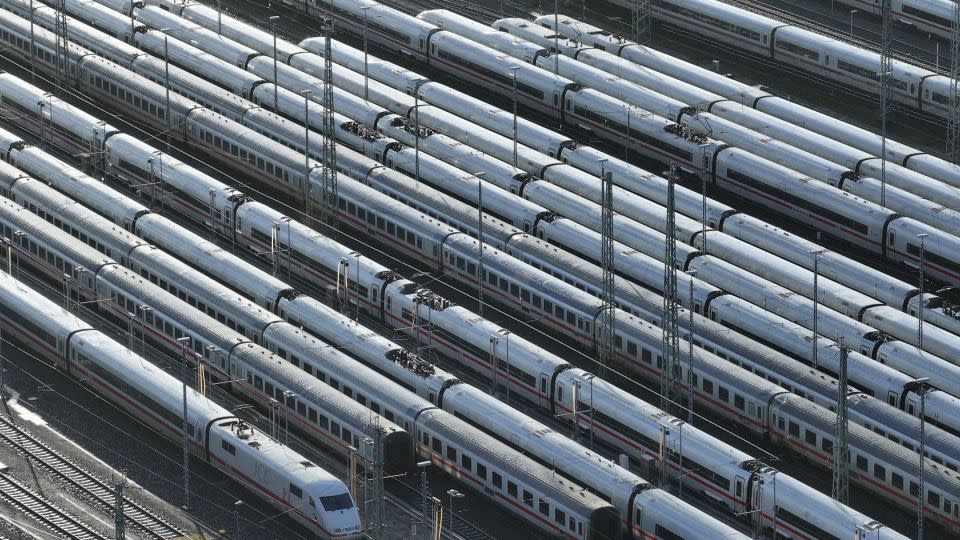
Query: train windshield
[{"x": 336, "y": 502}]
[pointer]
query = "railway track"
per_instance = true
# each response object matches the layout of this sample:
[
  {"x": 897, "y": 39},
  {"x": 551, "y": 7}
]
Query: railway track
[
  {"x": 44, "y": 511},
  {"x": 143, "y": 520}
]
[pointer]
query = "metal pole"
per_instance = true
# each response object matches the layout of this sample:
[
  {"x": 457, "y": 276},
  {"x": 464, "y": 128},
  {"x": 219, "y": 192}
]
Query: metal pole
[
  {"x": 416, "y": 130},
  {"x": 816, "y": 304},
  {"x": 166, "y": 79},
  {"x": 118, "y": 515},
  {"x": 921, "y": 236},
  {"x": 493, "y": 365},
  {"x": 236, "y": 519},
  {"x": 33, "y": 48},
  {"x": 453, "y": 494},
  {"x": 690, "y": 373},
  {"x": 705, "y": 166},
  {"x": 507, "y": 357},
  {"x": 852, "y": 13},
  {"x": 306, "y": 129},
  {"x": 356, "y": 284},
  {"x": 273, "y": 25},
  {"x": 556, "y": 37},
  {"x": 922, "y": 388},
  {"x": 424, "y": 488},
  {"x": 514, "y": 69},
  {"x": 219, "y": 25},
  {"x": 186, "y": 439},
  {"x": 366, "y": 73},
  {"x": 481, "y": 282}
]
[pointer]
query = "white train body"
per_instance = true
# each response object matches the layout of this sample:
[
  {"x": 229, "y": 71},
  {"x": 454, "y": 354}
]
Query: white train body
[{"x": 283, "y": 478}]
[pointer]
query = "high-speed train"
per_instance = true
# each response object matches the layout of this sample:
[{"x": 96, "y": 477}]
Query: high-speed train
[
  {"x": 654, "y": 519},
  {"x": 372, "y": 273},
  {"x": 533, "y": 218},
  {"x": 468, "y": 403},
  {"x": 627, "y": 490},
  {"x": 897, "y": 390},
  {"x": 161, "y": 164},
  {"x": 746, "y": 96},
  {"x": 934, "y": 17},
  {"x": 513, "y": 211},
  {"x": 823, "y": 158},
  {"x": 283, "y": 478},
  {"x": 407, "y": 237},
  {"x": 772, "y": 239},
  {"x": 720, "y": 376},
  {"x": 839, "y": 214},
  {"x": 842, "y": 215},
  {"x": 810, "y": 52},
  {"x": 40, "y": 243}
]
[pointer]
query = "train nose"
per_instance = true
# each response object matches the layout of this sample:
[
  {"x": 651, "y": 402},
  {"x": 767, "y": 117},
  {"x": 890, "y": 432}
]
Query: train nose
[{"x": 343, "y": 523}]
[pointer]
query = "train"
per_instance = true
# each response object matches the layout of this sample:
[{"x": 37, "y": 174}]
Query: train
[
  {"x": 466, "y": 402},
  {"x": 893, "y": 292},
  {"x": 277, "y": 474},
  {"x": 406, "y": 237},
  {"x": 807, "y": 51},
  {"x": 882, "y": 350},
  {"x": 276, "y": 378},
  {"x": 842, "y": 215}
]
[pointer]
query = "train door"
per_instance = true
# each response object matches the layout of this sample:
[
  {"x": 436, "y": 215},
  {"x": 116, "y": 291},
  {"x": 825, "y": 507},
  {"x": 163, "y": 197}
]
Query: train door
[
  {"x": 738, "y": 486},
  {"x": 544, "y": 390}
]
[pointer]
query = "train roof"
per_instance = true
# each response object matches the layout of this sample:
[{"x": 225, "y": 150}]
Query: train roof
[
  {"x": 872, "y": 443},
  {"x": 558, "y": 488}
]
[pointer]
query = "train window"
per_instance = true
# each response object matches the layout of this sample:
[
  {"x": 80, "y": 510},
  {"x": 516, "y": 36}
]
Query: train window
[
  {"x": 296, "y": 491},
  {"x": 401, "y": 233},
  {"x": 862, "y": 463},
  {"x": 258, "y": 382},
  {"x": 707, "y": 383},
  {"x": 335, "y": 429},
  {"x": 547, "y": 306},
  {"x": 826, "y": 445},
  {"x": 426, "y": 439},
  {"x": 794, "y": 429},
  {"x": 514, "y": 289},
  {"x": 525, "y": 296},
  {"x": 511, "y": 488},
  {"x": 571, "y": 317},
  {"x": 559, "y": 516},
  {"x": 631, "y": 348},
  {"x": 347, "y": 436},
  {"x": 528, "y": 498},
  {"x": 933, "y": 498},
  {"x": 452, "y": 454},
  {"x": 228, "y": 447},
  {"x": 466, "y": 462},
  {"x": 947, "y": 505},
  {"x": 723, "y": 394},
  {"x": 739, "y": 403},
  {"x": 544, "y": 507},
  {"x": 312, "y": 415},
  {"x": 810, "y": 437},
  {"x": 497, "y": 480},
  {"x": 914, "y": 489},
  {"x": 301, "y": 408},
  {"x": 482, "y": 472},
  {"x": 437, "y": 445},
  {"x": 504, "y": 285},
  {"x": 896, "y": 480},
  {"x": 879, "y": 472}
]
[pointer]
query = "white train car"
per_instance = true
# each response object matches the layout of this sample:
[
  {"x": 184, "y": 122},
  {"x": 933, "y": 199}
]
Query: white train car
[{"x": 307, "y": 493}]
